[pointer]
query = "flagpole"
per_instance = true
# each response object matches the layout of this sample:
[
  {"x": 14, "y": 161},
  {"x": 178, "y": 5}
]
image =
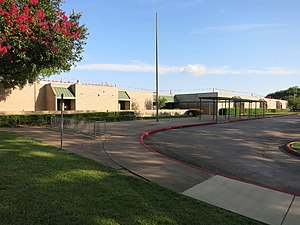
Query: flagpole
[{"x": 156, "y": 59}]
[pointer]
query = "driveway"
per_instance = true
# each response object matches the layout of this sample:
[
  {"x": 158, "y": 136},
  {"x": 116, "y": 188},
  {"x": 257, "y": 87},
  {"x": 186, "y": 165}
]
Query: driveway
[{"x": 251, "y": 151}]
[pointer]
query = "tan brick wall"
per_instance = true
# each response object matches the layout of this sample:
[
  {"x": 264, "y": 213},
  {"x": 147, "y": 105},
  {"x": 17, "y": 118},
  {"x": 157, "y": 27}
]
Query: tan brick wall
[
  {"x": 143, "y": 100},
  {"x": 94, "y": 97},
  {"x": 272, "y": 103},
  {"x": 51, "y": 100},
  {"x": 40, "y": 97},
  {"x": 18, "y": 99},
  {"x": 34, "y": 97}
]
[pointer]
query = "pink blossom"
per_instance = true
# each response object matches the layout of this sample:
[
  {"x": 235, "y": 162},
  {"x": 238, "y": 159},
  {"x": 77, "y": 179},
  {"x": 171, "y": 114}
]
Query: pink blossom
[
  {"x": 34, "y": 2},
  {"x": 3, "y": 50},
  {"x": 40, "y": 14},
  {"x": 23, "y": 27},
  {"x": 7, "y": 19},
  {"x": 64, "y": 31},
  {"x": 69, "y": 24},
  {"x": 21, "y": 18},
  {"x": 26, "y": 9},
  {"x": 14, "y": 8},
  {"x": 77, "y": 36},
  {"x": 57, "y": 27}
]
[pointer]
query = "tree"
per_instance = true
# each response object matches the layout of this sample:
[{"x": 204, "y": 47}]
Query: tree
[
  {"x": 293, "y": 102},
  {"x": 292, "y": 95},
  {"x": 148, "y": 104},
  {"x": 162, "y": 102},
  {"x": 37, "y": 39},
  {"x": 284, "y": 94},
  {"x": 135, "y": 105}
]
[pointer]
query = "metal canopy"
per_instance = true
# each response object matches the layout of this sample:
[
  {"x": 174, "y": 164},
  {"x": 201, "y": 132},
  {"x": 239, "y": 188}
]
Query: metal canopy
[
  {"x": 65, "y": 91},
  {"x": 123, "y": 96},
  {"x": 228, "y": 100}
]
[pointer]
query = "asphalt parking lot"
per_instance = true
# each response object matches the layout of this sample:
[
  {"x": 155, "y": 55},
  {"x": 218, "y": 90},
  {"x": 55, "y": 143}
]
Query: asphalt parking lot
[{"x": 251, "y": 151}]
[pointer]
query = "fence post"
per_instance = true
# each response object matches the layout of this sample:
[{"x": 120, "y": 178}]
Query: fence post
[
  {"x": 61, "y": 121},
  {"x": 95, "y": 135}
]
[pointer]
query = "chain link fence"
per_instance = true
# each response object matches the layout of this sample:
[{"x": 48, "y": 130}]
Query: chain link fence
[{"x": 90, "y": 128}]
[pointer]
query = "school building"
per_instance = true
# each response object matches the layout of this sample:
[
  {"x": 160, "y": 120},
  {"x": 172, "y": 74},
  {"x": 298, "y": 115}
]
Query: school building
[
  {"x": 218, "y": 103},
  {"x": 45, "y": 97}
]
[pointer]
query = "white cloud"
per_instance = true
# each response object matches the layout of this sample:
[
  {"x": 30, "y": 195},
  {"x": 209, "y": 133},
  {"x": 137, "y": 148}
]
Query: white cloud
[
  {"x": 272, "y": 71},
  {"x": 191, "y": 69},
  {"x": 198, "y": 70},
  {"x": 135, "y": 67},
  {"x": 242, "y": 27},
  {"x": 117, "y": 67}
]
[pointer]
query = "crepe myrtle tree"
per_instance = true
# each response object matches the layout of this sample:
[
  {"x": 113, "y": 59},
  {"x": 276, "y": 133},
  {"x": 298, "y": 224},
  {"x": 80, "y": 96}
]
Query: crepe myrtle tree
[{"x": 37, "y": 39}]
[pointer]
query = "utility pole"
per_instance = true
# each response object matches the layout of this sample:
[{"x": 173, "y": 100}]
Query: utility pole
[{"x": 156, "y": 62}]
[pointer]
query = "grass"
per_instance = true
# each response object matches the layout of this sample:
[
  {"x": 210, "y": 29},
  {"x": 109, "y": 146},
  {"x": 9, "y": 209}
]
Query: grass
[
  {"x": 280, "y": 113},
  {"x": 42, "y": 185},
  {"x": 296, "y": 146}
]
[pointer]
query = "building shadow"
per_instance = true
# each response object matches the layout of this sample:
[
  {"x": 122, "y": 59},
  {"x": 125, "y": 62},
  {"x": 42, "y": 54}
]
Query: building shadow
[{"x": 4, "y": 93}]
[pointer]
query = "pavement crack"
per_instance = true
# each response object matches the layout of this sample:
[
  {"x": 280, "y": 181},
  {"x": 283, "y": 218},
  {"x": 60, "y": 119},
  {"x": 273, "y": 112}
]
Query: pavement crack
[
  {"x": 121, "y": 166},
  {"x": 288, "y": 210}
]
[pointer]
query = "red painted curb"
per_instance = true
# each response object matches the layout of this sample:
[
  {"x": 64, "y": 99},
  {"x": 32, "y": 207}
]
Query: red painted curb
[
  {"x": 290, "y": 150},
  {"x": 145, "y": 134}
]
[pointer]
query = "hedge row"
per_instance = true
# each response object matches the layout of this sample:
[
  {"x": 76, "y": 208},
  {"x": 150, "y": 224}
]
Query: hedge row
[
  {"x": 43, "y": 119},
  {"x": 232, "y": 111},
  {"x": 104, "y": 116},
  {"x": 17, "y": 120},
  {"x": 278, "y": 110},
  {"x": 259, "y": 111}
]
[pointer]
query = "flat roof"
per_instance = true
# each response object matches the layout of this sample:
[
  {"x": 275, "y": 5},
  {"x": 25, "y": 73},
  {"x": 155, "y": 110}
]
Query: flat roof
[{"x": 235, "y": 99}]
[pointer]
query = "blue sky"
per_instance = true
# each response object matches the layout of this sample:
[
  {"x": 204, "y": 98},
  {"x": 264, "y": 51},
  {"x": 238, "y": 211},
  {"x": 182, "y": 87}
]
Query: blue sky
[{"x": 250, "y": 46}]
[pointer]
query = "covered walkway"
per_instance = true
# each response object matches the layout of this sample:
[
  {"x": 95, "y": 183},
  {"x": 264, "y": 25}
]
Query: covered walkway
[{"x": 231, "y": 107}]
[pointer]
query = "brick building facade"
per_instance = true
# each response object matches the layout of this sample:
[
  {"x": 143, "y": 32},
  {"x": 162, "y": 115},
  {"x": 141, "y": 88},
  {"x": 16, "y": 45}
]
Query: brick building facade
[
  {"x": 46, "y": 97},
  {"x": 77, "y": 97}
]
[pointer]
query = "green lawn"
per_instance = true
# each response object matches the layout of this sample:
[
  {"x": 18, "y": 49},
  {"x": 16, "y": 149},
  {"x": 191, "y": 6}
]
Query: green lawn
[
  {"x": 42, "y": 185},
  {"x": 296, "y": 146}
]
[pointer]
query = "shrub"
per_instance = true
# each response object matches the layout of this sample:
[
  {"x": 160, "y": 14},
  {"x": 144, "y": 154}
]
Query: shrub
[
  {"x": 17, "y": 120},
  {"x": 104, "y": 116},
  {"x": 43, "y": 119},
  {"x": 278, "y": 110}
]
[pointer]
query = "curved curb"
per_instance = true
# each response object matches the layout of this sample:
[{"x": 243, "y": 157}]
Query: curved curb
[
  {"x": 145, "y": 134},
  {"x": 290, "y": 150}
]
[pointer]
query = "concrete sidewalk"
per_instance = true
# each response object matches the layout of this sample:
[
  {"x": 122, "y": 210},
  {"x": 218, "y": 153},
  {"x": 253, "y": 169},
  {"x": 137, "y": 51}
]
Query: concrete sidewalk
[
  {"x": 265, "y": 205},
  {"x": 122, "y": 150}
]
